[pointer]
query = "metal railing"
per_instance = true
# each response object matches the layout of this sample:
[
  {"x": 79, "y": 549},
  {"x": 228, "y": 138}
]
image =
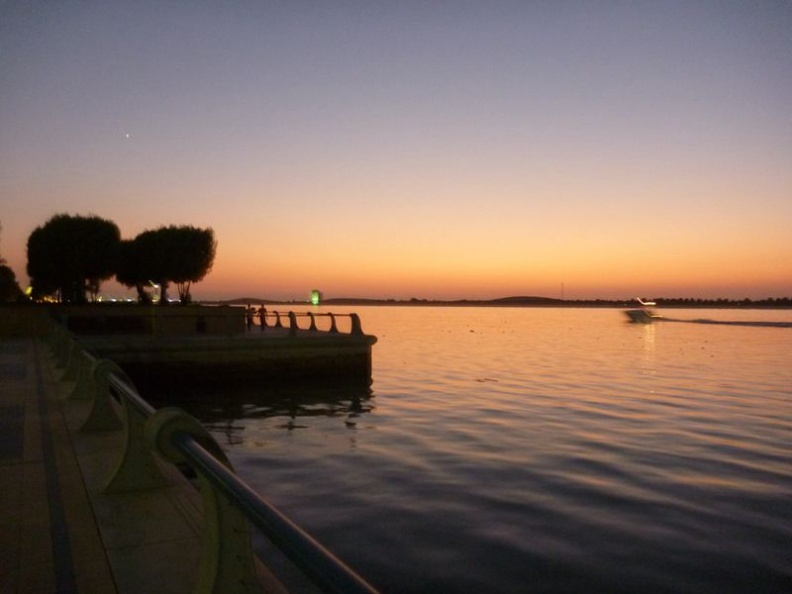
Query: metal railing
[
  {"x": 230, "y": 506},
  {"x": 222, "y": 320},
  {"x": 299, "y": 320}
]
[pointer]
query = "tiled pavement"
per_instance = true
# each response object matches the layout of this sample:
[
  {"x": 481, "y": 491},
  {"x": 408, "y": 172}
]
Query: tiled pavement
[{"x": 58, "y": 531}]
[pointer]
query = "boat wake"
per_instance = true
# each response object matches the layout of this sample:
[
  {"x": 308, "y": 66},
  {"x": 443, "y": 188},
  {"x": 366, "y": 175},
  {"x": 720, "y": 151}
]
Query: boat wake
[{"x": 755, "y": 324}]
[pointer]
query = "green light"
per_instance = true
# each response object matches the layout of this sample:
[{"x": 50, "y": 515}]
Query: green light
[{"x": 316, "y": 297}]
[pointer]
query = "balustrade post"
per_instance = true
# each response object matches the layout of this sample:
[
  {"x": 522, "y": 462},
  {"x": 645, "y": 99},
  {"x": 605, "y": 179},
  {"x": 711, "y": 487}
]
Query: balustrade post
[
  {"x": 156, "y": 321},
  {"x": 313, "y": 321},
  {"x": 102, "y": 416},
  {"x": 357, "y": 328},
  {"x": 85, "y": 387},
  {"x": 63, "y": 345},
  {"x": 333, "y": 327},
  {"x": 136, "y": 468},
  {"x": 278, "y": 320},
  {"x": 293, "y": 324},
  {"x": 227, "y": 320},
  {"x": 62, "y": 356},
  {"x": 227, "y": 561},
  {"x": 263, "y": 317},
  {"x": 72, "y": 361},
  {"x": 59, "y": 338}
]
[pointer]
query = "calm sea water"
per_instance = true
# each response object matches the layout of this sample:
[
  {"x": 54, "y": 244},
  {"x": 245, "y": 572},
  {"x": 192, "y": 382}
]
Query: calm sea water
[{"x": 540, "y": 450}]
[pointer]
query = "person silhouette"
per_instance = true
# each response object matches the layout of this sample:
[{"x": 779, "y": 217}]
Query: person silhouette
[{"x": 249, "y": 316}]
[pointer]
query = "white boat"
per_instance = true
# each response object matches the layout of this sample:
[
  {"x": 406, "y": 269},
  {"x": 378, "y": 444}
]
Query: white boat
[{"x": 645, "y": 315}]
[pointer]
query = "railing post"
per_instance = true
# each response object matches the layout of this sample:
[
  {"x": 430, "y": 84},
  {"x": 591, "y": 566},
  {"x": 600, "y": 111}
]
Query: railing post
[
  {"x": 72, "y": 361},
  {"x": 136, "y": 469},
  {"x": 333, "y": 327},
  {"x": 356, "y": 326},
  {"x": 63, "y": 352},
  {"x": 52, "y": 336},
  {"x": 85, "y": 386},
  {"x": 227, "y": 320},
  {"x": 228, "y": 560},
  {"x": 313, "y": 322},
  {"x": 102, "y": 416},
  {"x": 278, "y": 320},
  {"x": 59, "y": 339},
  {"x": 293, "y": 324},
  {"x": 263, "y": 317},
  {"x": 156, "y": 321}
]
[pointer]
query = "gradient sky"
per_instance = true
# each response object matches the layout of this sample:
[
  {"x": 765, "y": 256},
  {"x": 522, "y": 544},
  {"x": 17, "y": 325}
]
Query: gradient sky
[{"x": 414, "y": 149}]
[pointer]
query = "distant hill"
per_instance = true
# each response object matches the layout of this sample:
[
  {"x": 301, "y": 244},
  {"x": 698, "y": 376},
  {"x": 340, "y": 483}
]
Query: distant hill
[
  {"x": 518, "y": 300},
  {"x": 525, "y": 301},
  {"x": 247, "y": 301},
  {"x": 358, "y": 301}
]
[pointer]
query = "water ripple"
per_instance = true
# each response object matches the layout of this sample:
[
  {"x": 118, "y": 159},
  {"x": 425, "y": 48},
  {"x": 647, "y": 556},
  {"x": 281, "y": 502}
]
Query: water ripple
[{"x": 548, "y": 450}]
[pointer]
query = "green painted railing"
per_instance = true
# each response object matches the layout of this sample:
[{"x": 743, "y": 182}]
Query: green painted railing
[
  {"x": 230, "y": 506},
  {"x": 328, "y": 321}
]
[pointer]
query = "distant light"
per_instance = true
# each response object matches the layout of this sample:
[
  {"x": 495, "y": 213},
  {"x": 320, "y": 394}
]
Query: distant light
[
  {"x": 29, "y": 291},
  {"x": 316, "y": 297}
]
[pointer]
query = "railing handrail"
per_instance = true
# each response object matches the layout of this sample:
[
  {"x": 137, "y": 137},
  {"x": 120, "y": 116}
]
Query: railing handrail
[
  {"x": 131, "y": 395},
  {"x": 322, "y": 567},
  {"x": 263, "y": 314},
  {"x": 315, "y": 561}
]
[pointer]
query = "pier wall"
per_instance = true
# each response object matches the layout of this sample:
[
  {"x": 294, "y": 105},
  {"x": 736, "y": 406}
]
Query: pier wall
[
  {"x": 122, "y": 319},
  {"x": 151, "y": 320},
  {"x": 200, "y": 348},
  {"x": 208, "y": 363}
]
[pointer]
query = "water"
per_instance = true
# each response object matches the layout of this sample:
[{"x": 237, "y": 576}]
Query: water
[{"x": 541, "y": 450}]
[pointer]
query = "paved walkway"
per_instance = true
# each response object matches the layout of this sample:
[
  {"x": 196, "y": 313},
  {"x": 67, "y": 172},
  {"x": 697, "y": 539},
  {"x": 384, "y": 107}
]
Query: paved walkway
[{"x": 58, "y": 531}]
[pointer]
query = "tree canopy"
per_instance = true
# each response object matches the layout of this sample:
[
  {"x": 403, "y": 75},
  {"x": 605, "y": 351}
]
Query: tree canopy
[
  {"x": 9, "y": 288},
  {"x": 70, "y": 255},
  {"x": 130, "y": 270},
  {"x": 179, "y": 254}
]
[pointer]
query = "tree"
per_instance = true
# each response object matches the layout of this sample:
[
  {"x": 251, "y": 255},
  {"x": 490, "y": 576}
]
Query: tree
[
  {"x": 130, "y": 270},
  {"x": 71, "y": 254},
  {"x": 178, "y": 254},
  {"x": 192, "y": 257},
  {"x": 9, "y": 288},
  {"x": 153, "y": 258}
]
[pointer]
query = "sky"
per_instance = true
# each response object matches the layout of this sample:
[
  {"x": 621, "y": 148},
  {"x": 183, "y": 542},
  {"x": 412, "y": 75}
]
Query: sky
[{"x": 438, "y": 150}]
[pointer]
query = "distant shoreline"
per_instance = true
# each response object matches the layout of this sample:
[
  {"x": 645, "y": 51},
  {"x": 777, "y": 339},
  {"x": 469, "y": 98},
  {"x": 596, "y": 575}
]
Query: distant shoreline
[{"x": 529, "y": 301}]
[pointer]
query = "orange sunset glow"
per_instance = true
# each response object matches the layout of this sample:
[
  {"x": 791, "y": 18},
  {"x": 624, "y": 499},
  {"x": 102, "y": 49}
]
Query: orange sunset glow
[{"x": 399, "y": 151}]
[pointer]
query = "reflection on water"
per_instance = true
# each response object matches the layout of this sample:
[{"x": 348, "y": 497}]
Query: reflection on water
[
  {"x": 547, "y": 450},
  {"x": 649, "y": 333},
  {"x": 750, "y": 323},
  {"x": 230, "y": 413}
]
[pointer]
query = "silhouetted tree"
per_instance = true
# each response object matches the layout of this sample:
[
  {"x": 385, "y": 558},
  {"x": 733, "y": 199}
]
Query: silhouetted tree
[
  {"x": 71, "y": 254},
  {"x": 193, "y": 257},
  {"x": 130, "y": 270},
  {"x": 9, "y": 288},
  {"x": 178, "y": 254}
]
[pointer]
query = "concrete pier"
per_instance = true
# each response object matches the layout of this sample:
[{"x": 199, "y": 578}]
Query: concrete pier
[
  {"x": 214, "y": 347},
  {"x": 218, "y": 361}
]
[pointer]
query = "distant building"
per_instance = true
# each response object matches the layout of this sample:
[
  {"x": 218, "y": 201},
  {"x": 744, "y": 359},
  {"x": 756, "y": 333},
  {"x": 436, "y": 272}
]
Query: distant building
[{"x": 316, "y": 297}]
